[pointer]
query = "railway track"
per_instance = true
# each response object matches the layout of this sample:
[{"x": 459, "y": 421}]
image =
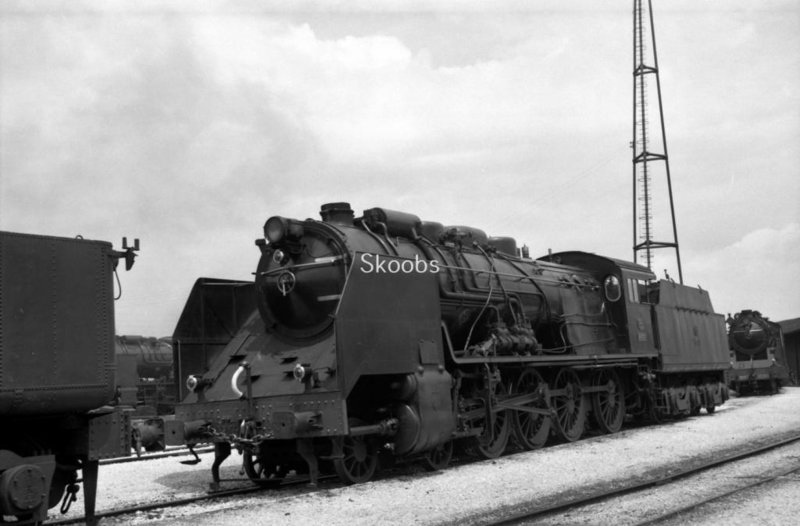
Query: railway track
[
  {"x": 207, "y": 497},
  {"x": 566, "y": 510},
  {"x": 718, "y": 497},
  {"x": 177, "y": 452},
  {"x": 546, "y": 514}
]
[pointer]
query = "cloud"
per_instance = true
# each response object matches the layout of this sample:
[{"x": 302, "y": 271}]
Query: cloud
[
  {"x": 759, "y": 271},
  {"x": 189, "y": 125}
]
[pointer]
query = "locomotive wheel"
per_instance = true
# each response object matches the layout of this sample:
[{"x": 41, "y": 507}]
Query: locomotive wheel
[
  {"x": 439, "y": 457},
  {"x": 530, "y": 429},
  {"x": 608, "y": 405},
  {"x": 569, "y": 405},
  {"x": 494, "y": 439},
  {"x": 260, "y": 471},
  {"x": 359, "y": 460}
]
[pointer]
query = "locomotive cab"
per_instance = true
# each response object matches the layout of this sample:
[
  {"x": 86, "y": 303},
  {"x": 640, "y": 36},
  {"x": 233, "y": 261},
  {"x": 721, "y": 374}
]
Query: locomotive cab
[{"x": 628, "y": 294}]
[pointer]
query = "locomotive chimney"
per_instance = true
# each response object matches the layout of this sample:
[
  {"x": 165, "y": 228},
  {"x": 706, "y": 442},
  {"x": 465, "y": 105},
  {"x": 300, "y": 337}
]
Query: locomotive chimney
[{"x": 337, "y": 213}]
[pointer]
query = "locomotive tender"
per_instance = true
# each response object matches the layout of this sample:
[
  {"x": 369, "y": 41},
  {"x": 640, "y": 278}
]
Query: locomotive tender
[
  {"x": 388, "y": 334},
  {"x": 56, "y": 372},
  {"x": 758, "y": 358}
]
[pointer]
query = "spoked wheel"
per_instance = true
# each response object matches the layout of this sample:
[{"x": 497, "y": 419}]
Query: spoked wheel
[
  {"x": 569, "y": 405},
  {"x": 359, "y": 460},
  {"x": 438, "y": 457},
  {"x": 608, "y": 405},
  {"x": 494, "y": 439},
  {"x": 262, "y": 471},
  {"x": 531, "y": 429}
]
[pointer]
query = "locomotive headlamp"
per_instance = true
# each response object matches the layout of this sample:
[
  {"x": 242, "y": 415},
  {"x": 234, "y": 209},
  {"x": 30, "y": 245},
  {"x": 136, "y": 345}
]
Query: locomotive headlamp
[
  {"x": 195, "y": 383},
  {"x": 192, "y": 382},
  {"x": 277, "y": 228},
  {"x": 279, "y": 257},
  {"x": 300, "y": 372}
]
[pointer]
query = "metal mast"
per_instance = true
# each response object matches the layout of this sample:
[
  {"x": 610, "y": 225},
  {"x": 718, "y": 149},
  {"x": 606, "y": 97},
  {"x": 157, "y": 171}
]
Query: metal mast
[{"x": 648, "y": 163}]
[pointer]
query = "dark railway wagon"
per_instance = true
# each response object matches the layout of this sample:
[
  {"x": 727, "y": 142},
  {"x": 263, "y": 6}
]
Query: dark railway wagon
[
  {"x": 388, "y": 335},
  {"x": 56, "y": 371}
]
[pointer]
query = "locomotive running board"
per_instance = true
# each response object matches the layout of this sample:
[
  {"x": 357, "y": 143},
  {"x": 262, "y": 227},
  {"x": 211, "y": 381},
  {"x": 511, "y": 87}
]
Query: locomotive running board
[{"x": 544, "y": 360}]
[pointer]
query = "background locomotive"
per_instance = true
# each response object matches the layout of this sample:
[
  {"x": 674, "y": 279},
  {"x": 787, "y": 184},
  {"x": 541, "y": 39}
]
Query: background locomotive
[
  {"x": 758, "y": 359},
  {"x": 385, "y": 333},
  {"x": 56, "y": 371},
  {"x": 145, "y": 374}
]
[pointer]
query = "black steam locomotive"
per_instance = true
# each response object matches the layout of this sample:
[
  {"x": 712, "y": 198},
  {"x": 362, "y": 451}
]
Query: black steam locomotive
[
  {"x": 145, "y": 374},
  {"x": 758, "y": 358},
  {"x": 56, "y": 372},
  {"x": 388, "y": 334}
]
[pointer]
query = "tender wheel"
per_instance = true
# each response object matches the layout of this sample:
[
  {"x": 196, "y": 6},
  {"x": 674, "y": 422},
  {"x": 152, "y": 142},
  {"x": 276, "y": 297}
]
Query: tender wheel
[
  {"x": 359, "y": 460},
  {"x": 531, "y": 429},
  {"x": 569, "y": 405},
  {"x": 262, "y": 472},
  {"x": 608, "y": 405},
  {"x": 439, "y": 457}
]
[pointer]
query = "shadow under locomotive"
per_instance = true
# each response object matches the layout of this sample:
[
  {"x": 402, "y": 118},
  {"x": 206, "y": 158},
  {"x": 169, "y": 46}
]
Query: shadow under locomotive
[{"x": 387, "y": 334}]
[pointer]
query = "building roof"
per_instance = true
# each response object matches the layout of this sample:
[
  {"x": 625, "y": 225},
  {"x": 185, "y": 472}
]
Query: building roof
[{"x": 790, "y": 326}]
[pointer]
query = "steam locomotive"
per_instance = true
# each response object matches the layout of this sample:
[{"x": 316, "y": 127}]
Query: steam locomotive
[
  {"x": 145, "y": 375},
  {"x": 387, "y": 335},
  {"x": 56, "y": 372},
  {"x": 758, "y": 358}
]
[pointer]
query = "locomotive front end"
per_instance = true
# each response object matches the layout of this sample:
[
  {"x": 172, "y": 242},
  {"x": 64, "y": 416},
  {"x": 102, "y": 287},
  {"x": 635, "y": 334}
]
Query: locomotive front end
[
  {"x": 758, "y": 359},
  {"x": 289, "y": 387},
  {"x": 301, "y": 273}
]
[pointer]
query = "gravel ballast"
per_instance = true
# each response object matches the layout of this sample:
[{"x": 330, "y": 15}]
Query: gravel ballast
[{"x": 466, "y": 494}]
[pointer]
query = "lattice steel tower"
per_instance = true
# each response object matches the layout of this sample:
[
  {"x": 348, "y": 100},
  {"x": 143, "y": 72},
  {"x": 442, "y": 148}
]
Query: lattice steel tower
[{"x": 650, "y": 167}]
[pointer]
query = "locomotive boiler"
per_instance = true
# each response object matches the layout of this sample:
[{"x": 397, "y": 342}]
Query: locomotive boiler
[
  {"x": 758, "y": 359},
  {"x": 387, "y": 334}
]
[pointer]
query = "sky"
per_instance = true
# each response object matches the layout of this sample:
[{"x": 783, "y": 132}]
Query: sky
[{"x": 187, "y": 124}]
